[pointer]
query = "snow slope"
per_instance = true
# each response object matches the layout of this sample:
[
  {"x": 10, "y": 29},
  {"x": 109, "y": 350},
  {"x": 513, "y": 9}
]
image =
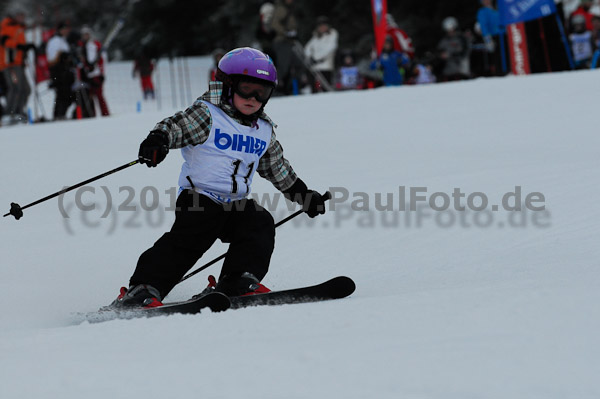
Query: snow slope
[{"x": 448, "y": 304}]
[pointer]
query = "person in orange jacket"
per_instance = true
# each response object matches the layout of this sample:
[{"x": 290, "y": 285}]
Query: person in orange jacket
[{"x": 12, "y": 38}]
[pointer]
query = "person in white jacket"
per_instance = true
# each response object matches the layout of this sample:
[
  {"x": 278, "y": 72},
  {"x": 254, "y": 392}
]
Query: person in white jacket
[{"x": 320, "y": 51}]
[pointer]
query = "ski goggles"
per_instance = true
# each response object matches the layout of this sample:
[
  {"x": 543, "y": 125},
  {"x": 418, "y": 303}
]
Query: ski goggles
[{"x": 259, "y": 91}]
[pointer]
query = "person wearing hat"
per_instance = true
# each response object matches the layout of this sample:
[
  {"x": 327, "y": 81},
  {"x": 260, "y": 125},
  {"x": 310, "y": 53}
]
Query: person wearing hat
[
  {"x": 225, "y": 138},
  {"x": 389, "y": 62},
  {"x": 143, "y": 65},
  {"x": 454, "y": 50},
  {"x": 491, "y": 30},
  {"x": 320, "y": 51},
  {"x": 285, "y": 29},
  {"x": 93, "y": 68},
  {"x": 12, "y": 37},
  {"x": 582, "y": 43},
  {"x": 583, "y": 10},
  {"x": 217, "y": 54},
  {"x": 264, "y": 31},
  {"x": 60, "y": 62}
]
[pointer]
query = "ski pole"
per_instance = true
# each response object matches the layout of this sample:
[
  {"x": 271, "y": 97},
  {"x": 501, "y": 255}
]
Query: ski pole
[
  {"x": 326, "y": 197},
  {"x": 17, "y": 210}
]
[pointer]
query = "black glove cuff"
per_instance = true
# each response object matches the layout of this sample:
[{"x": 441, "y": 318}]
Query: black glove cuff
[
  {"x": 297, "y": 192},
  {"x": 159, "y": 135}
]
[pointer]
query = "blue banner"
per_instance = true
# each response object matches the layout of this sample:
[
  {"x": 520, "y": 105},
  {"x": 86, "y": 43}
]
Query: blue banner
[{"x": 513, "y": 11}]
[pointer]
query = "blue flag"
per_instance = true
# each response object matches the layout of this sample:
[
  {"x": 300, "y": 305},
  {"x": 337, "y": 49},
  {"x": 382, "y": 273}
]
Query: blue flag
[{"x": 513, "y": 11}]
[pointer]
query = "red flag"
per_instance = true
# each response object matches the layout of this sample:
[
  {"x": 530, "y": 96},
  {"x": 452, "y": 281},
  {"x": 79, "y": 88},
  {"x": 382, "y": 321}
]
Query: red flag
[{"x": 379, "y": 8}]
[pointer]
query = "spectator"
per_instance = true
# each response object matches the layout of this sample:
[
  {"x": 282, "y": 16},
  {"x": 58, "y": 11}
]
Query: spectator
[
  {"x": 285, "y": 26},
  {"x": 596, "y": 25},
  {"x": 144, "y": 66},
  {"x": 2, "y": 92},
  {"x": 480, "y": 57},
  {"x": 93, "y": 70},
  {"x": 265, "y": 33},
  {"x": 584, "y": 10},
  {"x": 217, "y": 54},
  {"x": 402, "y": 42},
  {"x": 454, "y": 50},
  {"x": 581, "y": 43},
  {"x": 596, "y": 35},
  {"x": 390, "y": 61},
  {"x": 349, "y": 77},
  {"x": 491, "y": 30},
  {"x": 320, "y": 51},
  {"x": 364, "y": 54},
  {"x": 422, "y": 72},
  {"x": 12, "y": 33},
  {"x": 60, "y": 62}
]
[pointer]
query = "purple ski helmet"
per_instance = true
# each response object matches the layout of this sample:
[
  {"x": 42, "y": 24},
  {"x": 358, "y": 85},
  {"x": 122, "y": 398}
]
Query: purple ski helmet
[{"x": 246, "y": 61}]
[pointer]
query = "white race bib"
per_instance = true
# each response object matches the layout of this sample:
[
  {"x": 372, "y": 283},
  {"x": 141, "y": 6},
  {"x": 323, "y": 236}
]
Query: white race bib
[{"x": 223, "y": 166}]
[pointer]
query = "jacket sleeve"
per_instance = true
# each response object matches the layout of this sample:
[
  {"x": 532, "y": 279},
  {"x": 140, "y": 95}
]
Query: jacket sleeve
[
  {"x": 274, "y": 167},
  {"x": 483, "y": 17},
  {"x": 189, "y": 127},
  {"x": 309, "y": 48},
  {"x": 402, "y": 59}
]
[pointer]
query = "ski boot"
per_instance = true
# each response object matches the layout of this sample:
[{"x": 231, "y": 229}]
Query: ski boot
[
  {"x": 141, "y": 295},
  {"x": 240, "y": 285}
]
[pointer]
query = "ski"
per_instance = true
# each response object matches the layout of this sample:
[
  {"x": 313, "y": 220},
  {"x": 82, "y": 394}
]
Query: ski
[
  {"x": 215, "y": 301},
  {"x": 336, "y": 288}
]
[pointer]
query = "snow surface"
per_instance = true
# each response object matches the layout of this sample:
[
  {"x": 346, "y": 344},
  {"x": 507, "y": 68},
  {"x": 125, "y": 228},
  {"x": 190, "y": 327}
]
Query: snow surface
[{"x": 442, "y": 309}]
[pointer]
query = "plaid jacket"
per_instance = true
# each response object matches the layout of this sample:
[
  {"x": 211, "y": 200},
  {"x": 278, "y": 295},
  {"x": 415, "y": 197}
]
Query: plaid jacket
[{"x": 192, "y": 127}]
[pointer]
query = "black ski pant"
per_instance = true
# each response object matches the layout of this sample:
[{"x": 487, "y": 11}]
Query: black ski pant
[
  {"x": 62, "y": 82},
  {"x": 199, "y": 222},
  {"x": 18, "y": 90}
]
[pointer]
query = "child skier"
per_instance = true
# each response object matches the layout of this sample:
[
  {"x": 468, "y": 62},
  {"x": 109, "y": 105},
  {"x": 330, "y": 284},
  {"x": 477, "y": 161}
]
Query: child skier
[
  {"x": 390, "y": 61},
  {"x": 225, "y": 137},
  {"x": 582, "y": 43}
]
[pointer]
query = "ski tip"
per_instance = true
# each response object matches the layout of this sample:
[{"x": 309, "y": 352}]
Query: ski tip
[{"x": 345, "y": 286}]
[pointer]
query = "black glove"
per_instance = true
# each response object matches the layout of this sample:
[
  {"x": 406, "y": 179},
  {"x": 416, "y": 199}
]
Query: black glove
[
  {"x": 312, "y": 202},
  {"x": 154, "y": 149}
]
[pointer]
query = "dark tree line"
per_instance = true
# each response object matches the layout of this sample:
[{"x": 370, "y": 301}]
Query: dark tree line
[{"x": 184, "y": 27}]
